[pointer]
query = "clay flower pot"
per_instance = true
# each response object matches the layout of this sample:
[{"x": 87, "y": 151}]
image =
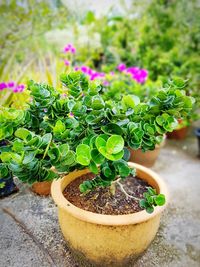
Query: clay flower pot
[
  {"x": 107, "y": 240},
  {"x": 42, "y": 188},
  {"x": 147, "y": 158},
  {"x": 179, "y": 134},
  {"x": 197, "y": 133}
]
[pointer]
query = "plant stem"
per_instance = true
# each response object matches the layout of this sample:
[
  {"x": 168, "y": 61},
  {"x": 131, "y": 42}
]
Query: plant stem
[
  {"x": 47, "y": 148},
  {"x": 124, "y": 191}
]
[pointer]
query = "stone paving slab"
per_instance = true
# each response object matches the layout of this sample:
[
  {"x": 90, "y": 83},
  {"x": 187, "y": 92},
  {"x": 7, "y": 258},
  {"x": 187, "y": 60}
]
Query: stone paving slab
[{"x": 30, "y": 234}]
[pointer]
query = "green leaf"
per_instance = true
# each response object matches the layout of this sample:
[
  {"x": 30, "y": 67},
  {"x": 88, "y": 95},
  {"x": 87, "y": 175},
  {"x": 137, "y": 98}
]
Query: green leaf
[
  {"x": 112, "y": 128},
  {"x": 23, "y": 134},
  {"x": 93, "y": 167},
  {"x": 122, "y": 168},
  {"x": 3, "y": 171},
  {"x": 150, "y": 209},
  {"x": 160, "y": 200},
  {"x": 97, "y": 157},
  {"x": 112, "y": 157},
  {"x": 114, "y": 144},
  {"x": 18, "y": 146},
  {"x": 127, "y": 154},
  {"x": 69, "y": 158},
  {"x": 64, "y": 149},
  {"x": 59, "y": 127},
  {"x": 29, "y": 156},
  {"x": 130, "y": 101},
  {"x": 83, "y": 154},
  {"x": 97, "y": 102},
  {"x": 101, "y": 141}
]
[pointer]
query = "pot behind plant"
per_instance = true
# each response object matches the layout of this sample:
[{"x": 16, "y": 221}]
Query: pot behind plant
[
  {"x": 178, "y": 134},
  {"x": 107, "y": 240},
  {"x": 147, "y": 158},
  {"x": 42, "y": 188}
]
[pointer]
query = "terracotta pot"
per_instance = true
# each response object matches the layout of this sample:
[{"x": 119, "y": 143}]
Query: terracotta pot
[
  {"x": 147, "y": 158},
  {"x": 178, "y": 134},
  {"x": 42, "y": 188},
  {"x": 107, "y": 240}
]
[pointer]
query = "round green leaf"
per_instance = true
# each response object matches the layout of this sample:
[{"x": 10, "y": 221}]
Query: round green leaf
[
  {"x": 114, "y": 144},
  {"x": 83, "y": 154}
]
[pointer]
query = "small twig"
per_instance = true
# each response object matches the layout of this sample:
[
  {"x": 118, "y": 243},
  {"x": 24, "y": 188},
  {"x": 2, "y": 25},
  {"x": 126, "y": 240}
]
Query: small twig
[
  {"x": 124, "y": 191},
  {"x": 36, "y": 241}
]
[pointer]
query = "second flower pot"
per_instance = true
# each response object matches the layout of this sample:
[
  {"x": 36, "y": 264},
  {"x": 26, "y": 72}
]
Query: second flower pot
[
  {"x": 42, "y": 188},
  {"x": 147, "y": 158}
]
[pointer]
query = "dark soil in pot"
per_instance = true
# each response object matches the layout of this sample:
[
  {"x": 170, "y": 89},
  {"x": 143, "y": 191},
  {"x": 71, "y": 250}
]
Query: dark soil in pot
[{"x": 100, "y": 200}]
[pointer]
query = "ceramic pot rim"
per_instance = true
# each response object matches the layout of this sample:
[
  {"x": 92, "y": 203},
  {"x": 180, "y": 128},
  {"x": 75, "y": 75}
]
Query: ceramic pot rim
[{"x": 134, "y": 218}]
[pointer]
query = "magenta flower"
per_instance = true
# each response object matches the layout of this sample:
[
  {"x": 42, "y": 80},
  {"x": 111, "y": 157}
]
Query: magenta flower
[
  {"x": 69, "y": 48},
  {"x": 76, "y": 68},
  {"x": 71, "y": 115},
  {"x": 106, "y": 83},
  {"x": 67, "y": 62},
  {"x": 3, "y": 86},
  {"x": 73, "y": 50},
  {"x": 12, "y": 86},
  {"x": 121, "y": 67},
  {"x": 84, "y": 69}
]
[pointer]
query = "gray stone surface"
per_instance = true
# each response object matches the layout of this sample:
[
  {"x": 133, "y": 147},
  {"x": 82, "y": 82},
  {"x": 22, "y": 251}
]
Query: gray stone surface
[{"x": 38, "y": 242}]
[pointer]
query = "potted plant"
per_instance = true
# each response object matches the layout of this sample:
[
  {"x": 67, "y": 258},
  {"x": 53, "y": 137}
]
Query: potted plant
[
  {"x": 183, "y": 126},
  {"x": 197, "y": 133},
  {"x": 103, "y": 198},
  {"x": 7, "y": 185}
]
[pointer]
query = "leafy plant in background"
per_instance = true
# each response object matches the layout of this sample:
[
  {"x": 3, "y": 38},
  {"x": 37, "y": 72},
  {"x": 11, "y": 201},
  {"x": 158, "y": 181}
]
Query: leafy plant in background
[{"x": 82, "y": 130}]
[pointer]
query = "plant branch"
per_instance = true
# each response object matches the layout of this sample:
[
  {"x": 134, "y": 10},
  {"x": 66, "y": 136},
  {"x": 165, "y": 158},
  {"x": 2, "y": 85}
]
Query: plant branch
[{"x": 124, "y": 191}]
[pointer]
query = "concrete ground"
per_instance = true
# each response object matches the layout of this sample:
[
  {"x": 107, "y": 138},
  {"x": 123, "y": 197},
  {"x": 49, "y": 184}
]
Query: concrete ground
[{"x": 30, "y": 235}]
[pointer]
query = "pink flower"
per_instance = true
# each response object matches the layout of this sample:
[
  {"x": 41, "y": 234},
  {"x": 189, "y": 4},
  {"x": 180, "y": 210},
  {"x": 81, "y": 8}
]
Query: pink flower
[
  {"x": 73, "y": 50},
  {"x": 3, "y": 86},
  {"x": 71, "y": 115},
  {"x": 84, "y": 69},
  {"x": 76, "y": 68},
  {"x": 11, "y": 84},
  {"x": 106, "y": 83},
  {"x": 121, "y": 67},
  {"x": 67, "y": 62},
  {"x": 70, "y": 48}
]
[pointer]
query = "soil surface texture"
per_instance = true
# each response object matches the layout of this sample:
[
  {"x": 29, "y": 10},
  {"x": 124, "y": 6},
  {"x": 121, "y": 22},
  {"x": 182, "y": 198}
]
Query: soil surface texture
[{"x": 101, "y": 200}]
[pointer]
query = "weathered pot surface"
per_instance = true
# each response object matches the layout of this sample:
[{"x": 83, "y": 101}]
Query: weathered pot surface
[{"x": 107, "y": 240}]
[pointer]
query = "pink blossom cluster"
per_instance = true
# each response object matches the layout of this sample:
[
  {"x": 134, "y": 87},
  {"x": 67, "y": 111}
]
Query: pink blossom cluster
[
  {"x": 16, "y": 88},
  {"x": 90, "y": 72},
  {"x": 66, "y": 62},
  {"x": 139, "y": 75},
  {"x": 69, "y": 48}
]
